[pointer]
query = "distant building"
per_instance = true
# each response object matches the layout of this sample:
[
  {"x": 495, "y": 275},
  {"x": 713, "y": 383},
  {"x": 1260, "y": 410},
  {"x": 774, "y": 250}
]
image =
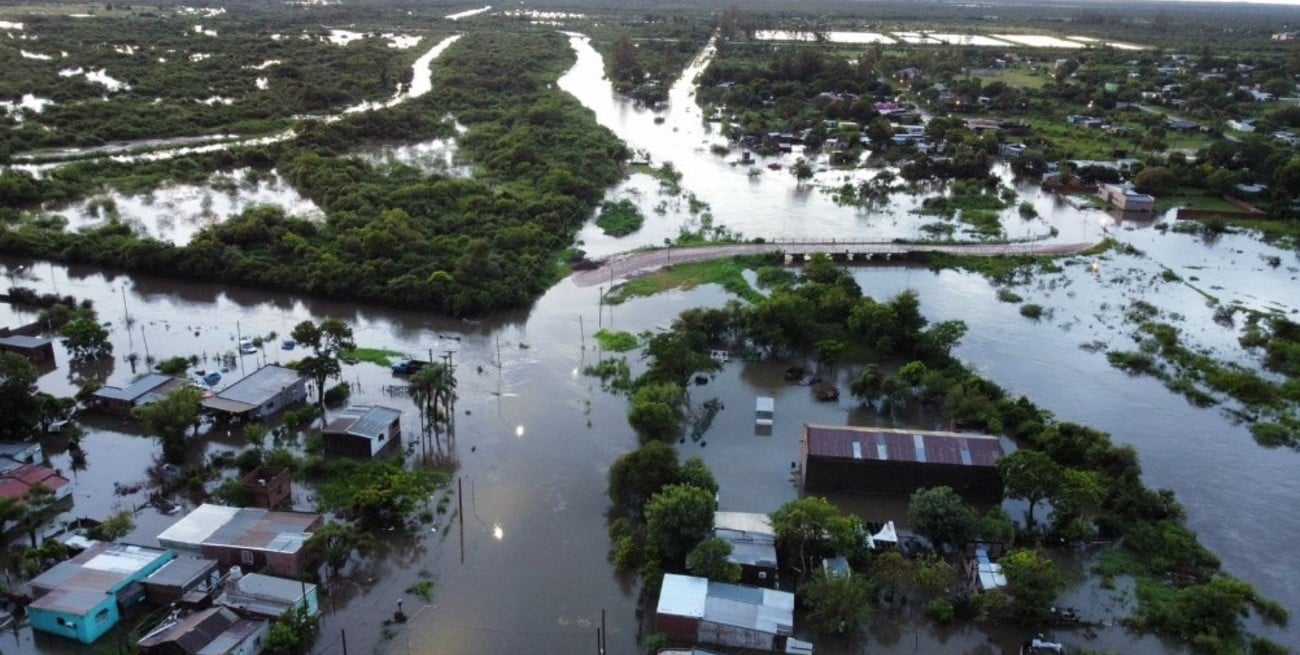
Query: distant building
[
  {"x": 184, "y": 581},
  {"x": 37, "y": 350},
  {"x": 14, "y": 454},
  {"x": 753, "y": 545},
  {"x": 147, "y": 389},
  {"x": 262, "y": 393},
  {"x": 887, "y": 460},
  {"x": 213, "y": 631},
  {"x": 263, "y": 596},
  {"x": 694, "y": 610},
  {"x": 82, "y": 598},
  {"x": 1124, "y": 198},
  {"x": 364, "y": 432},
  {"x": 269, "y": 486},
  {"x": 248, "y": 537}
]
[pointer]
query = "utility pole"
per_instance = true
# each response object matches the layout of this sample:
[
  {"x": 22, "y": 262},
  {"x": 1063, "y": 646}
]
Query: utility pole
[
  {"x": 239, "y": 338},
  {"x": 460, "y": 509},
  {"x": 145, "y": 339}
]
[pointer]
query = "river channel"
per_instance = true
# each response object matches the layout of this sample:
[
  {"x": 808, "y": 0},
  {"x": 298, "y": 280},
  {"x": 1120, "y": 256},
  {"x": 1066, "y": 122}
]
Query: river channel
[{"x": 536, "y": 438}]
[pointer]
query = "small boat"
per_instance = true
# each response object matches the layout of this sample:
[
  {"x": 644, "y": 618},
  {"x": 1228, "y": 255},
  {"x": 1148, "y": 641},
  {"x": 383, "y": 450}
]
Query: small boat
[
  {"x": 774, "y": 166},
  {"x": 288, "y": 344}
]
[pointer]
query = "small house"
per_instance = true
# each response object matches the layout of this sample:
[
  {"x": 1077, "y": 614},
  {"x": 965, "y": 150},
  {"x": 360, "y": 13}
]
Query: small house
[
  {"x": 14, "y": 454},
  {"x": 364, "y": 432},
  {"x": 894, "y": 461},
  {"x": 753, "y": 545},
  {"x": 268, "y": 486},
  {"x": 184, "y": 581},
  {"x": 263, "y": 596},
  {"x": 249, "y": 537},
  {"x": 261, "y": 394},
  {"x": 695, "y": 610},
  {"x": 1125, "y": 198},
  {"x": 37, "y": 350},
  {"x": 213, "y": 631},
  {"x": 82, "y": 598},
  {"x": 147, "y": 389}
]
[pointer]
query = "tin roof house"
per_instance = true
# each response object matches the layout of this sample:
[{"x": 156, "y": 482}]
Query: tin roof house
[
  {"x": 213, "y": 631},
  {"x": 887, "y": 460},
  {"x": 695, "y": 610},
  {"x": 82, "y": 598},
  {"x": 37, "y": 350},
  {"x": 249, "y": 537},
  {"x": 753, "y": 545},
  {"x": 264, "y": 596},
  {"x": 262, "y": 393},
  {"x": 364, "y": 432},
  {"x": 147, "y": 389},
  {"x": 184, "y": 581}
]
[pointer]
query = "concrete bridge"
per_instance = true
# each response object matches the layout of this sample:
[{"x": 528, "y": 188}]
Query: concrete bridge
[{"x": 629, "y": 264}]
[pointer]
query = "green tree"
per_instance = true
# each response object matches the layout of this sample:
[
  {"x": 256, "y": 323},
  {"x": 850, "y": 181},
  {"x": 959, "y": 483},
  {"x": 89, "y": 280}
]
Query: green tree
[
  {"x": 892, "y": 571},
  {"x": 334, "y": 543},
  {"x": 709, "y": 560},
  {"x": 1033, "y": 581},
  {"x": 677, "y": 518},
  {"x": 328, "y": 340},
  {"x": 810, "y": 528},
  {"x": 169, "y": 418},
  {"x": 654, "y": 413},
  {"x": 1031, "y": 476},
  {"x": 19, "y": 401},
  {"x": 869, "y": 384},
  {"x": 697, "y": 474},
  {"x": 1156, "y": 180},
  {"x": 837, "y": 604},
  {"x": 637, "y": 476},
  {"x": 293, "y": 634},
  {"x": 114, "y": 527},
  {"x": 939, "y": 515},
  {"x": 801, "y": 170},
  {"x": 85, "y": 338}
]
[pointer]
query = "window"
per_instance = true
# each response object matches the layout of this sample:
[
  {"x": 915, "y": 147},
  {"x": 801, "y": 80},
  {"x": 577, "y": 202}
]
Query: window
[
  {"x": 101, "y": 616},
  {"x": 246, "y": 556},
  {"x": 61, "y": 621}
]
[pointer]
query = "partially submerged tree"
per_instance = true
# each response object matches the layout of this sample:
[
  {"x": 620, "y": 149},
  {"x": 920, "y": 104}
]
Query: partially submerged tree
[
  {"x": 810, "y": 528},
  {"x": 709, "y": 560},
  {"x": 334, "y": 543},
  {"x": 169, "y": 418},
  {"x": 837, "y": 604},
  {"x": 941, "y": 516},
  {"x": 328, "y": 341},
  {"x": 1029, "y": 475},
  {"x": 676, "y": 520}
]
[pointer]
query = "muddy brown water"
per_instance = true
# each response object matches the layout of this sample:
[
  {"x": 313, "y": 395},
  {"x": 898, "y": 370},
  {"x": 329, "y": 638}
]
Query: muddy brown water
[{"x": 536, "y": 438}]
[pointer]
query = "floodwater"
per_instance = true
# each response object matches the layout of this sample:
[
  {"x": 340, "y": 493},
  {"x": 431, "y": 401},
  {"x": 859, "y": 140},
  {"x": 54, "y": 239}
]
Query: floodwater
[{"x": 536, "y": 438}]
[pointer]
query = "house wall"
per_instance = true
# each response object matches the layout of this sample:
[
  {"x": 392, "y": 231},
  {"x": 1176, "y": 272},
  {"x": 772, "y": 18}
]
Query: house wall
[
  {"x": 296, "y": 392},
  {"x": 871, "y": 476},
  {"x": 678, "y": 629},
  {"x": 38, "y": 355},
  {"x": 346, "y": 445},
  {"x": 730, "y": 635},
  {"x": 85, "y": 629}
]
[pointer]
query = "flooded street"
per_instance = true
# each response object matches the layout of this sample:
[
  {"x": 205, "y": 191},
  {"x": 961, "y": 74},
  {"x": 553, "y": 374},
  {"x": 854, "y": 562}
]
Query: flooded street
[{"x": 535, "y": 438}]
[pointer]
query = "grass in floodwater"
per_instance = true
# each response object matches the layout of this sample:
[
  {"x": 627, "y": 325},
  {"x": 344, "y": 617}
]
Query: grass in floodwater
[
  {"x": 725, "y": 272},
  {"x": 372, "y": 355},
  {"x": 619, "y": 342}
]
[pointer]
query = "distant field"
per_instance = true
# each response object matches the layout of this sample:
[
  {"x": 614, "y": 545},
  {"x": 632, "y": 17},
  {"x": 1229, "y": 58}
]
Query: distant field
[{"x": 1021, "y": 78}]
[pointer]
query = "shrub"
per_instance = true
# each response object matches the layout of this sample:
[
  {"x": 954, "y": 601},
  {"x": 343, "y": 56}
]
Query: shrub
[
  {"x": 1031, "y": 310},
  {"x": 338, "y": 394}
]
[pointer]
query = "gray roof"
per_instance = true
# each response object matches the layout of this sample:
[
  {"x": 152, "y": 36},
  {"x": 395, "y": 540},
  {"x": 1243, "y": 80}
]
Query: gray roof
[
  {"x": 23, "y": 341},
  {"x": 79, "y": 584},
  {"x": 749, "y": 549},
  {"x": 181, "y": 571},
  {"x": 259, "y": 529},
  {"x": 264, "y": 595},
  {"x": 136, "y": 389},
  {"x": 261, "y": 385},
  {"x": 366, "y": 421},
  {"x": 751, "y": 608}
]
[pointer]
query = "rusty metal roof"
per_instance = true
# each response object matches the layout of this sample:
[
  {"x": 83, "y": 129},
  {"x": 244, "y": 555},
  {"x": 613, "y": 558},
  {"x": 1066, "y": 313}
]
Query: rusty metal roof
[{"x": 890, "y": 444}]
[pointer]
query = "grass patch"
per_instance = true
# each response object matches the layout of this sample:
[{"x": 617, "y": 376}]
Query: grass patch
[
  {"x": 619, "y": 342},
  {"x": 1007, "y": 295},
  {"x": 1031, "y": 310},
  {"x": 422, "y": 590},
  {"x": 1194, "y": 201},
  {"x": 725, "y": 272},
  {"x": 1021, "y": 78},
  {"x": 373, "y": 355},
  {"x": 619, "y": 218}
]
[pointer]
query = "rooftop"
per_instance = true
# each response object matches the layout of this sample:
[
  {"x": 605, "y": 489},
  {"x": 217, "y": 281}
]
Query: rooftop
[
  {"x": 749, "y": 549},
  {"x": 263, "y": 594},
  {"x": 181, "y": 571},
  {"x": 260, "y": 386},
  {"x": 752, "y": 608},
  {"x": 366, "y": 421},
  {"x": 16, "y": 482},
  {"x": 151, "y": 383},
  {"x": 249, "y": 528},
  {"x": 743, "y": 522},
  {"x": 889, "y": 444},
  {"x": 23, "y": 341},
  {"x": 79, "y": 584},
  {"x": 214, "y": 630}
]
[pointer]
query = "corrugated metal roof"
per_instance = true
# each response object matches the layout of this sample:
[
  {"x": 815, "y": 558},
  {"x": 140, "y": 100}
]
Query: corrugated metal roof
[
  {"x": 194, "y": 528},
  {"x": 79, "y": 584},
  {"x": 751, "y": 522},
  {"x": 261, "y": 385},
  {"x": 136, "y": 389},
  {"x": 181, "y": 571},
  {"x": 250, "y": 528},
  {"x": 23, "y": 341},
  {"x": 749, "y": 549},
  {"x": 754, "y": 608},
  {"x": 889, "y": 444},
  {"x": 683, "y": 595},
  {"x": 369, "y": 421}
]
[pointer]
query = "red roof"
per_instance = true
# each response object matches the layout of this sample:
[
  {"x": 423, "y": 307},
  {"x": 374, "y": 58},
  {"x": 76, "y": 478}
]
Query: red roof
[
  {"x": 888, "y": 444},
  {"x": 17, "y": 482}
]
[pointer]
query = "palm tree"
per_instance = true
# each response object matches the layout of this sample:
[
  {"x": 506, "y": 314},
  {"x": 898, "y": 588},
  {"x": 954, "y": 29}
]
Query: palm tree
[{"x": 436, "y": 386}]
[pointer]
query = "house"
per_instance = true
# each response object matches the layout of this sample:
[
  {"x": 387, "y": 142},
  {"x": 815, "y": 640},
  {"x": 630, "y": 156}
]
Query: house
[
  {"x": 267, "y": 597},
  {"x": 694, "y": 610},
  {"x": 260, "y": 394},
  {"x": 1124, "y": 198},
  {"x": 82, "y": 598},
  {"x": 249, "y": 537},
  {"x": 15, "y": 483},
  {"x": 37, "y": 350},
  {"x": 14, "y": 454},
  {"x": 364, "y": 432},
  {"x": 184, "y": 581},
  {"x": 145, "y": 390},
  {"x": 268, "y": 486},
  {"x": 213, "y": 631},
  {"x": 753, "y": 545},
  {"x": 887, "y": 460}
]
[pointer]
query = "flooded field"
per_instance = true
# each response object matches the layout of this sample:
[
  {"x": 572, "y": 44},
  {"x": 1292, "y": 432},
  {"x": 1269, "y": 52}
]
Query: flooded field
[
  {"x": 535, "y": 438},
  {"x": 936, "y": 38}
]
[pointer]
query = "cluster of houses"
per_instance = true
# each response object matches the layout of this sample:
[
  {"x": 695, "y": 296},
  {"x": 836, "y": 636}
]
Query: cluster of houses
[
  {"x": 198, "y": 571},
  {"x": 756, "y": 614}
]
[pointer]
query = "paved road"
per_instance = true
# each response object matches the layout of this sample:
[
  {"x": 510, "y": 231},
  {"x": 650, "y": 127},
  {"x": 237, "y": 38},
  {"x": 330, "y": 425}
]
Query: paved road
[{"x": 625, "y": 265}]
